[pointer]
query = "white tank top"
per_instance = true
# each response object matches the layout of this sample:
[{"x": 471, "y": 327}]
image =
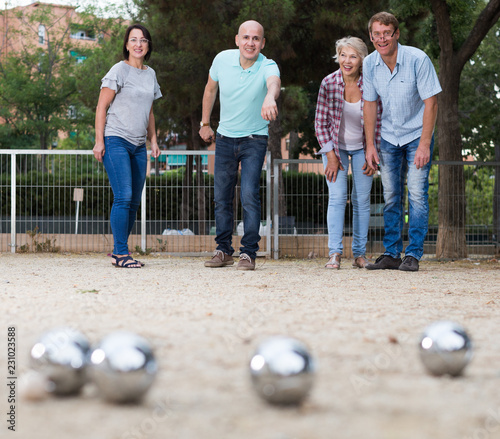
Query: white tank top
[{"x": 351, "y": 131}]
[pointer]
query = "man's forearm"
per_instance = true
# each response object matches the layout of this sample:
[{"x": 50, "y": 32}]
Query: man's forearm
[{"x": 429, "y": 120}]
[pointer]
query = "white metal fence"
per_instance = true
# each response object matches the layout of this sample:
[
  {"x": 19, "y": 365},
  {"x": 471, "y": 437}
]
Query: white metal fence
[
  {"x": 300, "y": 202},
  {"x": 58, "y": 201}
]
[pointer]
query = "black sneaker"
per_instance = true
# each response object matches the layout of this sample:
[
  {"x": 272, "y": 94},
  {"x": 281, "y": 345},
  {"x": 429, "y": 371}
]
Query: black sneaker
[
  {"x": 385, "y": 262},
  {"x": 409, "y": 264}
]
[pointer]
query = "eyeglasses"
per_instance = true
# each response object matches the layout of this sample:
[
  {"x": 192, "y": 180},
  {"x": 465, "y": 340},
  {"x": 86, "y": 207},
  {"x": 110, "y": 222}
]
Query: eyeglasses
[
  {"x": 141, "y": 41},
  {"x": 386, "y": 35}
]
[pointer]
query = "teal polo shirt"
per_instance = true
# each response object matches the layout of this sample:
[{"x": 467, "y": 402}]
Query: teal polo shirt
[{"x": 241, "y": 93}]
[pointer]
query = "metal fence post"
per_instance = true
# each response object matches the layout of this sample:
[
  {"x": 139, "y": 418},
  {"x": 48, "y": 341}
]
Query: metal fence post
[
  {"x": 276, "y": 210},
  {"x": 143, "y": 218},
  {"x": 13, "y": 185},
  {"x": 268, "y": 202}
]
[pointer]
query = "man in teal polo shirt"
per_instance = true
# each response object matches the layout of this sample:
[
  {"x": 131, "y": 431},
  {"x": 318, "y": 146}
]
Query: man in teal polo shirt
[{"x": 249, "y": 85}]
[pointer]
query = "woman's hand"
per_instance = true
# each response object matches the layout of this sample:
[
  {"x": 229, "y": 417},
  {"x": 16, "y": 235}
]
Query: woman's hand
[
  {"x": 155, "y": 151},
  {"x": 99, "y": 151},
  {"x": 367, "y": 170},
  {"x": 332, "y": 166}
]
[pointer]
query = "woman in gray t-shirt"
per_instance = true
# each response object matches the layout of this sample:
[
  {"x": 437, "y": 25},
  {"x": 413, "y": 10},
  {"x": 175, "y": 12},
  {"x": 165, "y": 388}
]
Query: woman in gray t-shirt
[{"x": 124, "y": 120}]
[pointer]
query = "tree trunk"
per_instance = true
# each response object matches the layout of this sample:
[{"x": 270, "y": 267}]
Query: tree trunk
[
  {"x": 274, "y": 145},
  {"x": 451, "y": 243},
  {"x": 293, "y": 150}
]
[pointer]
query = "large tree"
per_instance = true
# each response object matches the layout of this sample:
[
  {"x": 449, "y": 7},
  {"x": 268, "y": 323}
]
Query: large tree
[
  {"x": 459, "y": 26},
  {"x": 36, "y": 84},
  {"x": 480, "y": 112}
]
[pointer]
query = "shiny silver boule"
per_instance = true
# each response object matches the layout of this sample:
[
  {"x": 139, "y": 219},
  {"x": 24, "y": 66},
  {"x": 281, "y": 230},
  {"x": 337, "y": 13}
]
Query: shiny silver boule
[
  {"x": 445, "y": 348},
  {"x": 282, "y": 370},
  {"x": 61, "y": 356},
  {"x": 123, "y": 367}
]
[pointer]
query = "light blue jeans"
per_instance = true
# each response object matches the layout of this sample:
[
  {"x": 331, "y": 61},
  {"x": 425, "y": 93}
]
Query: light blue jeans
[
  {"x": 337, "y": 200},
  {"x": 396, "y": 166},
  {"x": 126, "y": 165}
]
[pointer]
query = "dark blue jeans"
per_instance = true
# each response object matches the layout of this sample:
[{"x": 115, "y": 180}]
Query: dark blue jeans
[
  {"x": 396, "y": 166},
  {"x": 125, "y": 164},
  {"x": 230, "y": 152}
]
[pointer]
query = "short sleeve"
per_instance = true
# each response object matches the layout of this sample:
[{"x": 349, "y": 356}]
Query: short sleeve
[
  {"x": 428, "y": 82},
  {"x": 213, "y": 72},
  {"x": 369, "y": 92},
  {"x": 158, "y": 93},
  {"x": 113, "y": 79},
  {"x": 271, "y": 69}
]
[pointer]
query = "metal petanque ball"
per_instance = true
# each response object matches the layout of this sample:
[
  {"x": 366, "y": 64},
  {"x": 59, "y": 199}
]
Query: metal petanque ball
[
  {"x": 445, "y": 348},
  {"x": 282, "y": 370},
  {"x": 123, "y": 367},
  {"x": 61, "y": 356}
]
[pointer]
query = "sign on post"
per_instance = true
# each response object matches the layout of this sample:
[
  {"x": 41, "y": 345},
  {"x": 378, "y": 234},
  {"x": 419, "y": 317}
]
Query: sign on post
[{"x": 78, "y": 197}]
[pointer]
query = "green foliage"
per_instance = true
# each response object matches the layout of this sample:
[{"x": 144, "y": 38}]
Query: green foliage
[
  {"x": 36, "y": 85},
  {"x": 306, "y": 197},
  {"x": 480, "y": 99},
  {"x": 479, "y": 183}
]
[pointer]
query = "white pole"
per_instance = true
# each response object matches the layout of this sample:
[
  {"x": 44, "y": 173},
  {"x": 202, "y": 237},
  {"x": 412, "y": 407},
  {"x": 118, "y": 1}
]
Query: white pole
[{"x": 76, "y": 220}]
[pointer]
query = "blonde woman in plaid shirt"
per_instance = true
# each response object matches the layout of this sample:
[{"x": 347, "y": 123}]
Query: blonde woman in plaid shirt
[{"x": 339, "y": 129}]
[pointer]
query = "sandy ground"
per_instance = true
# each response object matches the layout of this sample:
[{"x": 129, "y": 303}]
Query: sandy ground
[{"x": 362, "y": 328}]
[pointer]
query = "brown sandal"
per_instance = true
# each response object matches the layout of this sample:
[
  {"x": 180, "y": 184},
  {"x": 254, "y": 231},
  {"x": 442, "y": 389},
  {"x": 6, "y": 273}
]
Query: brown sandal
[
  {"x": 334, "y": 261},
  {"x": 360, "y": 262}
]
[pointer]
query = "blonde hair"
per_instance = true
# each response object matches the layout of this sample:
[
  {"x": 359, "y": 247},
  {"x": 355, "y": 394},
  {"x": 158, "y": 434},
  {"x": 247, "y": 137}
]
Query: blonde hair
[{"x": 354, "y": 43}]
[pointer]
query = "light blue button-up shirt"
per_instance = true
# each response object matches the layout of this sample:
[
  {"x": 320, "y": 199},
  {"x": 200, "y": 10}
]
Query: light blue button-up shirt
[{"x": 402, "y": 92}]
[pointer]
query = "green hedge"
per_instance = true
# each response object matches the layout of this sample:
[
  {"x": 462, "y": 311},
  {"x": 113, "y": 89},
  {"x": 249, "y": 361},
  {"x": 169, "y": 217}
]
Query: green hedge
[{"x": 45, "y": 194}]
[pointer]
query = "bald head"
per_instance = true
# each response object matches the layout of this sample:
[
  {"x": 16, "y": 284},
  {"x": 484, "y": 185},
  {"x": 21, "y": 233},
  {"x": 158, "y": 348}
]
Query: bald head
[{"x": 251, "y": 25}]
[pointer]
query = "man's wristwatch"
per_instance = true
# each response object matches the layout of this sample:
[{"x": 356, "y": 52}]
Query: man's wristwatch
[{"x": 204, "y": 124}]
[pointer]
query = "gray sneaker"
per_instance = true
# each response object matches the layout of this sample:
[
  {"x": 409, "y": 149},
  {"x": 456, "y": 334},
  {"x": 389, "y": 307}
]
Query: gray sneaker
[
  {"x": 219, "y": 259},
  {"x": 246, "y": 262},
  {"x": 409, "y": 264},
  {"x": 385, "y": 262}
]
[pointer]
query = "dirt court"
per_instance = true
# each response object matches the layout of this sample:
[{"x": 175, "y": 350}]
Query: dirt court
[{"x": 362, "y": 328}]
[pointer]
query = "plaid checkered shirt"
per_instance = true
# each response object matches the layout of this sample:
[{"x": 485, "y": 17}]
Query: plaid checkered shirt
[{"x": 329, "y": 113}]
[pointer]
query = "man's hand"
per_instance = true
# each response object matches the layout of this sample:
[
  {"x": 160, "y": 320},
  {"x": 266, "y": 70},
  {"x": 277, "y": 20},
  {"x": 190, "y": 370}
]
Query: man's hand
[
  {"x": 422, "y": 156},
  {"x": 207, "y": 134},
  {"x": 371, "y": 157},
  {"x": 269, "y": 108},
  {"x": 332, "y": 167}
]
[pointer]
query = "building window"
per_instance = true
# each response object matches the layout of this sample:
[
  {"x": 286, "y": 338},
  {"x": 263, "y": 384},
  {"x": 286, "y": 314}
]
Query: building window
[
  {"x": 82, "y": 34},
  {"x": 41, "y": 34}
]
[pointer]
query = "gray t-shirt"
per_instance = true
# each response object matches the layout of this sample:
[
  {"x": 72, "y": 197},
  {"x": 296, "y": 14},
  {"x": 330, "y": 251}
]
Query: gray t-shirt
[{"x": 128, "y": 114}]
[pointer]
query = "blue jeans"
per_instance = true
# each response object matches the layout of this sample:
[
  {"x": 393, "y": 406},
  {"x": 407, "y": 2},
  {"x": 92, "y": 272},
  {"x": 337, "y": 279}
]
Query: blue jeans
[
  {"x": 396, "y": 166},
  {"x": 125, "y": 164},
  {"x": 337, "y": 200},
  {"x": 229, "y": 153}
]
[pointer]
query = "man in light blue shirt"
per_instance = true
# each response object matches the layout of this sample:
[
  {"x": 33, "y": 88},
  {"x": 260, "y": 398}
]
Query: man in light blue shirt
[
  {"x": 406, "y": 81},
  {"x": 249, "y": 85}
]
